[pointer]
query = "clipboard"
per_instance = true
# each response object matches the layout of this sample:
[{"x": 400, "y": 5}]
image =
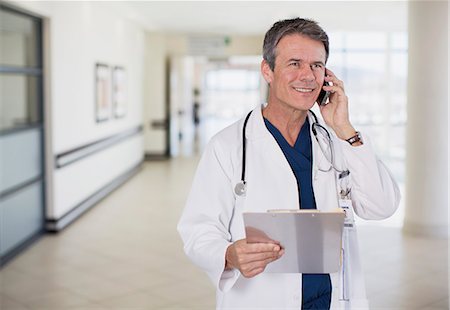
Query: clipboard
[{"x": 311, "y": 239}]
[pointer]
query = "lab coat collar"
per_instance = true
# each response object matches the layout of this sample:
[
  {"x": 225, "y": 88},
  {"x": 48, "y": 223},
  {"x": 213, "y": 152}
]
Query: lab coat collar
[{"x": 256, "y": 128}]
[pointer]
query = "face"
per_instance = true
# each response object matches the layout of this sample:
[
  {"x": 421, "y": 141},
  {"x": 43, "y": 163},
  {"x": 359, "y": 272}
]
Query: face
[{"x": 297, "y": 79}]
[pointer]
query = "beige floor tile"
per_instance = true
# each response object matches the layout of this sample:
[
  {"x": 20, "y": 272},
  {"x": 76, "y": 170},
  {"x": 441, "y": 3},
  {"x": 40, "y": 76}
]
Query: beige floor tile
[
  {"x": 37, "y": 265},
  {"x": 203, "y": 303},
  {"x": 88, "y": 260},
  {"x": 24, "y": 289},
  {"x": 140, "y": 300},
  {"x": 70, "y": 277},
  {"x": 10, "y": 275},
  {"x": 114, "y": 271},
  {"x": 100, "y": 289},
  {"x": 57, "y": 300},
  {"x": 7, "y": 303},
  {"x": 149, "y": 280},
  {"x": 91, "y": 306},
  {"x": 439, "y": 305},
  {"x": 183, "y": 292}
]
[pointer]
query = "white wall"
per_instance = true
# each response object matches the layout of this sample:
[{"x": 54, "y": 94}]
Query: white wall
[{"x": 80, "y": 34}]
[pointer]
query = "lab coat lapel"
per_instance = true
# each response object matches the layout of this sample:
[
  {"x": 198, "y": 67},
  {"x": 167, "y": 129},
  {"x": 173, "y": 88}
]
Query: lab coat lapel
[{"x": 271, "y": 181}]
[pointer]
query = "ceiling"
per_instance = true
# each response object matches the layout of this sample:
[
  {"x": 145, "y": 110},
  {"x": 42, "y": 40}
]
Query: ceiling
[{"x": 255, "y": 17}]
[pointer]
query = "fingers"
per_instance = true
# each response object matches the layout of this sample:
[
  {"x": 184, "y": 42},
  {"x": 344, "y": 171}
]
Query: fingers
[
  {"x": 335, "y": 89},
  {"x": 252, "y": 258},
  {"x": 331, "y": 77},
  {"x": 261, "y": 247},
  {"x": 255, "y": 268}
]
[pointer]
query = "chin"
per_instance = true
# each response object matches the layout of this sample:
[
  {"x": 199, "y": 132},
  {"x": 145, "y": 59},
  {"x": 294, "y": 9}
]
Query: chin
[{"x": 302, "y": 106}]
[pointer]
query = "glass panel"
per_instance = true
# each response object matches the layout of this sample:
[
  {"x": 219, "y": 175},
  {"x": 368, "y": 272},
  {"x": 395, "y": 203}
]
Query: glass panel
[
  {"x": 20, "y": 160},
  {"x": 228, "y": 95},
  {"x": 21, "y": 216},
  {"x": 18, "y": 101},
  {"x": 337, "y": 41},
  {"x": 399, "y": 41},
  {"x": 18, "y": 35},
  {"x": 398, "y": 88},
  {"x": 366, "y": 40},
  {"x": 336, "y": 63},
  {"x": 366, "y": 87},
  {"x": 232, "y": 79}
]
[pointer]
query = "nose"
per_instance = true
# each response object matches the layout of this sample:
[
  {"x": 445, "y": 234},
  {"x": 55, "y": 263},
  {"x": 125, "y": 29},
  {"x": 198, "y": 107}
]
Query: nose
[{"x": 306, "y": 73}]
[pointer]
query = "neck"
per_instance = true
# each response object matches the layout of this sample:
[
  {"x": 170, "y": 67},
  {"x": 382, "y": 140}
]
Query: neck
[{"x": 288, "y": 121}]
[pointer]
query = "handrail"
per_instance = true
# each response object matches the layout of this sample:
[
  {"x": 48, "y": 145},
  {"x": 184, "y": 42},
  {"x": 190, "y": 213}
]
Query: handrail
[{"x": 78, "y": 153}]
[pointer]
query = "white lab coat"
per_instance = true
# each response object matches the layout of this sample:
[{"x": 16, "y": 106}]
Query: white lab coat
[{"x": 212, "y": 218}]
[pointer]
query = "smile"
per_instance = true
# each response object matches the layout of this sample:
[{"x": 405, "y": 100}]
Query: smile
[{"x": 304, "y": 90}]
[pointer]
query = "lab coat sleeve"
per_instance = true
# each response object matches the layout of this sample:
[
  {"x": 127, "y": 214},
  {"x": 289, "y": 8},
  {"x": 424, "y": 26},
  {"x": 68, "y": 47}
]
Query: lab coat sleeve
[
  {"x": 204, "y": 224},
  {"x": 374, "y": 192}
]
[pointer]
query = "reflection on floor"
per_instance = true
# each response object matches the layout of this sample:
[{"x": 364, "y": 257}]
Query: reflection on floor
[{"x": 126, "y": 254}]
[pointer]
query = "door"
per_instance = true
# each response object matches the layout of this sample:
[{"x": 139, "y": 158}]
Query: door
[{"x": 21, "y": 131}]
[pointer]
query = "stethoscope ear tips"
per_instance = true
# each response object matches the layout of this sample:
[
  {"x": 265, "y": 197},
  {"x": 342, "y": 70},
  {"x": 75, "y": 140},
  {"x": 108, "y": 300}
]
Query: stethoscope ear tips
[{"x": 240, "y": 189}]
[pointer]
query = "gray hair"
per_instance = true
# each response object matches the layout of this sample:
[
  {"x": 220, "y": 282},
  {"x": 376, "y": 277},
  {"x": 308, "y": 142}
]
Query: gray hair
[{"x": 306, "y": 27}]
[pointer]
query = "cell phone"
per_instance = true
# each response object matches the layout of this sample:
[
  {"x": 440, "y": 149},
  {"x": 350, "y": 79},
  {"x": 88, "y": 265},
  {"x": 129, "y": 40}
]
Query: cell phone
[{"x": 323, "y": 96}]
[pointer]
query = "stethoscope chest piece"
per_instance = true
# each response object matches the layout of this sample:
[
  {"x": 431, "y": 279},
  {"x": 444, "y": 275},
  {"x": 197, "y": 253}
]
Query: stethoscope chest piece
[{"x": 240, "y": 189}]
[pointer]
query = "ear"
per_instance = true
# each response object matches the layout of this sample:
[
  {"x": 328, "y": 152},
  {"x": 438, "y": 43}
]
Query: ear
[{"x": 266, "y": 72}]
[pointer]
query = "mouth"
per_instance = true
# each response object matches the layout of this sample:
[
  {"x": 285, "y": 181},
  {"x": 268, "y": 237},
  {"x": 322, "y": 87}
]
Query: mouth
[{"x": 303, "y": 90}]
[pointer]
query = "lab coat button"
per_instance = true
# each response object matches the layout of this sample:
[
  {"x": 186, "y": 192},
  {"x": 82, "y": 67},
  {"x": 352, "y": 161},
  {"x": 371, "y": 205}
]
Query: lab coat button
[{"x": 296, "y": 296}]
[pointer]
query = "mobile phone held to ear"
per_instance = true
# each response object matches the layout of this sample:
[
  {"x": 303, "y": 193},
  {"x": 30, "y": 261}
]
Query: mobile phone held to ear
[{"x": 323, "y": 96}]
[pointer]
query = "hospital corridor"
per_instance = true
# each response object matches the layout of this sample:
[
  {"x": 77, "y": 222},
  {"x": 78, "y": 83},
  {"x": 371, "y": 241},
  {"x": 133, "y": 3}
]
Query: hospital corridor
[{"x": 107, "y": 107}]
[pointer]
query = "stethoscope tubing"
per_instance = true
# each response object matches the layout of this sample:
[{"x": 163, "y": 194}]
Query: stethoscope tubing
[
  {"x": 244, "y": 145},
  {"x": 240, "y": 187}
]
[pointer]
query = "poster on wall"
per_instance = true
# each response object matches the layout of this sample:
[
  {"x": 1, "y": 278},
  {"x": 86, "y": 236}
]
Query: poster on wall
[
  {"x": 102, "y": 92},
  {"x": 119, "y": 92}
]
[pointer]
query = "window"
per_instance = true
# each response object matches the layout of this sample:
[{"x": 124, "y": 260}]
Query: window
[
  {"x": 229, "y": 92},
  {"x": 20, "y": 70}
]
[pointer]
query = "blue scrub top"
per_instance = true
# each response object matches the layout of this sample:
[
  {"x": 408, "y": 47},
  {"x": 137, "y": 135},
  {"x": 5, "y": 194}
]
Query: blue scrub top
[{"x": 316, "y": 288}]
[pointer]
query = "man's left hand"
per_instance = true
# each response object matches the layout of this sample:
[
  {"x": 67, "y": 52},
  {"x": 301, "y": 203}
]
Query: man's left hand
[{"x": 335, "y": 113}]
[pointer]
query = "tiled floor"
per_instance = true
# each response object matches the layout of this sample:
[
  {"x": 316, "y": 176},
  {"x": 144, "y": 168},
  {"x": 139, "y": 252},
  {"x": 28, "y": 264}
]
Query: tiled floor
[{"x": 126, "y": 254}]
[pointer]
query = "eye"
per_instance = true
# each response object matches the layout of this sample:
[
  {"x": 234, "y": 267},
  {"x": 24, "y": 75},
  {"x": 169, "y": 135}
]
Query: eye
[
  {"x": 294, "y": 63},
  {"x": 316, "y": 66}
]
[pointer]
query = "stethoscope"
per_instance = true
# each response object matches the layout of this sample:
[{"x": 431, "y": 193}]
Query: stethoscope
[{"x": 241, "y": 187}]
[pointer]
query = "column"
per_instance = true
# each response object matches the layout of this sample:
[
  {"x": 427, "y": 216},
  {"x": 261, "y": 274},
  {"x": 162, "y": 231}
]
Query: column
[{"x": 426, "y": 203}]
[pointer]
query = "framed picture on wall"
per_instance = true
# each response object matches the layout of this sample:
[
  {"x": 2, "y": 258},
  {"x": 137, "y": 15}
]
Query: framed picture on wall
[
  {"x": 102, "y": 92},
  {"x": 119, "y": 91}
]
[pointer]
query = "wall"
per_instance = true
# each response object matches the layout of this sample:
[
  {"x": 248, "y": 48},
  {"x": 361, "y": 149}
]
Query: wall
[
  {"x": 155, "y": 93},
  {"x": 77, "y": 36}
]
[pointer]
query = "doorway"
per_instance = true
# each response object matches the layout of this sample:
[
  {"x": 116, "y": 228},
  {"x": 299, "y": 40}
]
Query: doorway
[{"x": 209, "y": 94}]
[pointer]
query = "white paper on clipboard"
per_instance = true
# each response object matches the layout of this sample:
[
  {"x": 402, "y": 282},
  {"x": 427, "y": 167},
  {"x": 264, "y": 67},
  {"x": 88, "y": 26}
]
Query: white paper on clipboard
[{"x": 312, "y": 239}]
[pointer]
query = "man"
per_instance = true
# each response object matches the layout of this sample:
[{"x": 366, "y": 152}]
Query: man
[{"x": 286, "y": 166}]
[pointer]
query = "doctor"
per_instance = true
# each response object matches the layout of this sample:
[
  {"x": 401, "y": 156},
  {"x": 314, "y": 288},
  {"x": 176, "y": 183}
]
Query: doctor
[{"x": 282, "y": 156}]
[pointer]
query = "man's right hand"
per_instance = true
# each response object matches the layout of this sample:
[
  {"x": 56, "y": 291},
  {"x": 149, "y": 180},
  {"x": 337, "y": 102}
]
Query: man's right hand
[{"x": 251, "y": 258}]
